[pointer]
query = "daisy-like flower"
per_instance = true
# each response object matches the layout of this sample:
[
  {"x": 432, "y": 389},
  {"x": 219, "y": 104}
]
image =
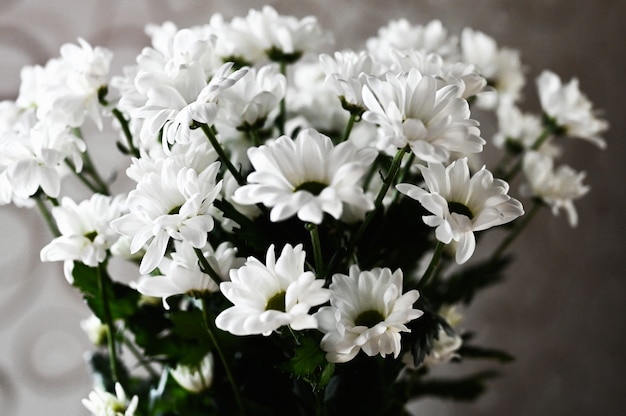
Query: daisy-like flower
[
  {"x": 570, "y": 109},
  {"x": 195, "y": 379},
  {"x": 95, "y": 330},
  {"x": 174, "y": 203},
  {"x": 462, "y": 204},
  {"x": 500, "y": 66},
  {"x": 411, "y": 109},
  {"x": 558, "y": 188},
  {"x": 267, "y": 297},
  {"x": 306, "y": 176},
  {"x": 85, "y": 231},
  {"x": 181, "y": 273},
  {"x": 367, "y": 312},
  {"x": 103, "y": 403}
]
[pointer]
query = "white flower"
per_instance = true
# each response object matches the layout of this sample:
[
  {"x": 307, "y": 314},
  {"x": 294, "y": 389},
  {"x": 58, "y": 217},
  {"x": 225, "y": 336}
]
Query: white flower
[
  {"x": 501, "y": 67},
  {"x": 266, "y": 33},
  {"x": 307, "y": 176},
  {"x": 367, "y": 312},
  {"x": 448, "y": 341},
  {"x": 195, "y": 379},
  {"x": 85, "y": 231},
  {"x": 102, "y": 403},
  {"x": 269, "y": 296},
  {"x": 462, "y": 205},
  {"x": 94, "y": 328},
  {"x": 182, "y": 274},
  {"x": 570, "y": 108},
  {"x": 558, "y": 188},
  {"x": 412, "y": 110},
  {"x": 172, "y": 203}
]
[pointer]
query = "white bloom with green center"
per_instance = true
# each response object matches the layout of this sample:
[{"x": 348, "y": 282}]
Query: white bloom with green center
[
  {"x": 197, "y": 378},
  {"x": 413, "y": 110},
  {"x": 85, "y": 229},
  {"x": 462, "y": 204},
  {"x": 367, "y": 312},
  {"x": 558, "y": 188},
  {"x": 181, "y": 274},
  {"x": 267, "y": 297},
  {"x": 103, "y": 403},
  {"x": 570, "y": 108},
  {"x": 307, "y": 177},
  {"x": 174, "y": 203}
]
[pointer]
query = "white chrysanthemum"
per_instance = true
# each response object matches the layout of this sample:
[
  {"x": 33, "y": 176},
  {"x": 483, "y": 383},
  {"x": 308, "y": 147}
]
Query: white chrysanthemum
[
  {"x": 95, "y": 330},
  {"x": 307, "y": 176},
  {"x": 181, "y": 274},
  {"x": 248, "y": 103},
  {"x": 174, "y": 203},
  {"x": 269, "y": 296},
  {"x": 103, "y": 403},
  {"x": 570, "y": 108},
  {"x": 402, "y": 35},
  {"x": 413, "y": 110},
  {"x": 85, "y": 231},
  {"x": 195, "y": 379},
  {"x": 501, "y": 66},
  {"x": 558, "y": 188},
  {"x": 346, "y": 74},
  {"x": 462, "y": 204},
  {"x": 465, "y": 75},
  {"x": 367, "y": 311},
  {"x": 267, "y": 33},
  {"x": 448, "y": 342}
]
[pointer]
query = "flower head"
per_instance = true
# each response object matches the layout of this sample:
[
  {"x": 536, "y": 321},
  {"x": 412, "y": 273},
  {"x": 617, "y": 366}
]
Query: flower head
[
  {"x": 462, "y": 204},
  {"x": 558, "y": 188},
  {"x": 307, "y": 176},
  {"x": 570, "y": 108},
  {"x": 197, "y": 378},
  {"x": 269, "y": 296},
  {"x": 367, "y": 312},
  {"x": 103, "y": 403}
]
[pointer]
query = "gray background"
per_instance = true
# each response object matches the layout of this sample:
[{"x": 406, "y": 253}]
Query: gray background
[{"x": 561, "y": 312}]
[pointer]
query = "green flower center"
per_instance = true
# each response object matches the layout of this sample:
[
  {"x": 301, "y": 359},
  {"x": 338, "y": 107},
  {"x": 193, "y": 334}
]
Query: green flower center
[
  {"x": 175, "y": 210},
  {"x": 461, "y": 209},
  {"x": 276, "y": 302},
  {"x": 369, "y": 318},
  {"x": 91, "y": 236},
  {"x": 312, "y": 187}
]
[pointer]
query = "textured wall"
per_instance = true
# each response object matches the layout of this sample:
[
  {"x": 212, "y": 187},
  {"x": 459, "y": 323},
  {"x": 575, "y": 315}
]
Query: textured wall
[{"x": 562, "y": 309}]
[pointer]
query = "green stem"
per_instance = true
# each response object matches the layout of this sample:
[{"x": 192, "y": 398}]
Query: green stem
[
  {"x": 402, "y": 175},
  {"x": 140, "y": 358},
  {"x": 221, "y": 154},
  {"x": 92, "y": 187},
  {"x": 536, "y": 145},
  {"x": 101, "y": 186},
  {"x": 282, "y": 117},
  {"x": 432, "y": 267},
  {"x": 108, "y": 321},
  {"x": 46, "y": 214},
  {"x": 524, "y": 221},
  {"x": 206, "y": 267},
  {"x": 218, "y": 349},
  {"x": 349, "y": 126},
  {"x": 126, "y": 130},
  {"x": 387, "y": 181},
  {"x": 317, "y": 248}
]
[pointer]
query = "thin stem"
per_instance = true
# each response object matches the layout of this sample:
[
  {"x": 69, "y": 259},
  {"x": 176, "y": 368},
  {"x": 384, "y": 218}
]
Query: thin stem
[
  {"x": 140, "y": 359},
  {"x": 126, "y": 130},
  {"x": 317, "y": 248},
  {"x": 101, "y": 186},
  {"x": 47, "y": 215},
  {"x": 221, "y": 154},
  {"x": 402, "y": 175},
  {"x": 218, "y": 349},
  {"x": 206, "y": 267},
  {"x": 84, "y": 180},
  {"x": 349, "y": 126},
  {"x": 432, "y": 267},
  {"x": 282, "y": 117},
  {"x": 108, "y": 321},
  {"x": 387, "y": 181},
  {"x": 524, "y": 221},
  {"x": 536, "y": 145}
]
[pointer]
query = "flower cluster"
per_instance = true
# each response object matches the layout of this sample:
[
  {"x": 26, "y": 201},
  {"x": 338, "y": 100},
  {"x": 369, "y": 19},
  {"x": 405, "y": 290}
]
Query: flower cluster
[{"x": 283, "y": 204}]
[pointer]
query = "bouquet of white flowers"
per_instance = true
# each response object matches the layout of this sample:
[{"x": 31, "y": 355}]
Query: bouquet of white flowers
[{"x": 301, "y": 225}]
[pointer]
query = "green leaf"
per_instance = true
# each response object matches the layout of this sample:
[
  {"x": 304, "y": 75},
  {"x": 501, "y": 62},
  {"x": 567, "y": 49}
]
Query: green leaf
[{"x": 309, "y": 363}]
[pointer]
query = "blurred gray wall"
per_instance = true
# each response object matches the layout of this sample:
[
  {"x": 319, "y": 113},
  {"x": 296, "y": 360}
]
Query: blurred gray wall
[{"x": 562, "y": 311}]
